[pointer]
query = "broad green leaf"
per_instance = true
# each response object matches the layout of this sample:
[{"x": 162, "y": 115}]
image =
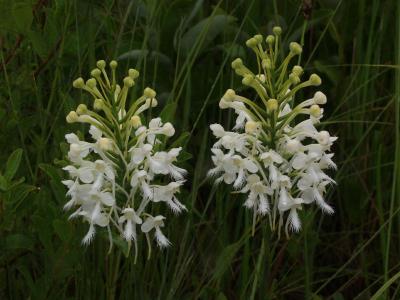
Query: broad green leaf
[
  {"x": 23, "y": 16},
  {"x": 224, "y": 260},
  {"x": 39, "y": 43},
  {"x": 51, "y": 171},
  {"x": 208, "y": 29},
  {"x": 181, "y": 140},
  {"x": 16, "y": 183},
  {"x": 13, "y": 163},
  {"x": 138, "y": 54},
  {"x": 63, "y": 229},
  {"x": 168, "y": 111},
  {"x": 121, "y": 244},
  {"x": 3, "y": 183},
  {"x": 19, "y": 241},
  {"x": 7, "y": 21},
  {"x": 15, "y": 197},
  {"x": 221, "y": 296}
]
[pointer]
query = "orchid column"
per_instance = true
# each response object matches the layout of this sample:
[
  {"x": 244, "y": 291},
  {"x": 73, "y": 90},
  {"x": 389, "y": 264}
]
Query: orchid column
[
  {"x": 274, "y": 154},
  {"x": 124, "y": 173}
]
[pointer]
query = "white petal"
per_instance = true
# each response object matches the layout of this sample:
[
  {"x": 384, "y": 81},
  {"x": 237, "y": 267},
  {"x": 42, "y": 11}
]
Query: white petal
[
  {"x": 107, "y": 199},
  {"x": 161, "y": 239},
  {"x": 294, "y": 220},
  {"x": 89, "y": 235},
  {"x": 147, "y": 225}
]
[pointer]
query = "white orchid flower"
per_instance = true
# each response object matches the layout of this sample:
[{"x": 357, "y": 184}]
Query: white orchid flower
[{"x": 156, "y": 223}]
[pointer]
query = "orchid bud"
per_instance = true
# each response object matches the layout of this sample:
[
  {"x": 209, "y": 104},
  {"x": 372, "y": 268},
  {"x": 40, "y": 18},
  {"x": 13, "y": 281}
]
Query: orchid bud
[
  {"x": 91, "y": 83},
  {"x": 270, "y": 39},
  {"x": 295, "y": 48},
  {"x": 315, "y": 111},
  {"x": 78, "y": 83},
  {"x": 319, "y": 98},
  {"x": 101, "y": 64},
  {"x": 149, "y": 93},
  {"x": 72, "y": 117},
  {"x": 315, "y": 80},
  {"x": 277, "y": 30},
  {"x": 272, "y": 104},
  {"x": 135, "y": 121},
  {"x": 113, "y": 64},
  {"x": 81, "y": 109}
]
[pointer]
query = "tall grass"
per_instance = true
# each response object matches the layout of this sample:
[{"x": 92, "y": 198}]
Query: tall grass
[{"x": 183, "y": 50}]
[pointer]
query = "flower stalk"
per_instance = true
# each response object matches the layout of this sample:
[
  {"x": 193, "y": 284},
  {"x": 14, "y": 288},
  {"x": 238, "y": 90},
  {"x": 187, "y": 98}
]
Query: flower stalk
[
  {"x": 121, "y": 176},
  {"x": 273, "y": 155}
]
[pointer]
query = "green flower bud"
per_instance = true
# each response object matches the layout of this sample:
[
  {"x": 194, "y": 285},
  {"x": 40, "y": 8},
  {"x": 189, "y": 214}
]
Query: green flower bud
[
  {"x": 258, "y": 38},
  {"x": 251, "y": 43},
  {"x": 272, "y": 104},
  {"x": 270, "y": 39},
  {"x": 237, "y": 63},
  {"x": 95, "y": 73},
  {"x": 149, "y": 93},
  {"x": 91, "y": 83},
  {"x": 128, "y": 82},
  {"x": 295, "y": 48},
  {"x": 101, "y": 64},
  {"x": 133, "y": 73},
  {"x": 113, "y": 64},
  {"x": 277, "y": 30},
  {"x": 72, "y": 117},
  {"x": 294, "y": 79},
  {"x": 248, "y": 80},
  {"x": 319, "y": 98},
  {"x": 135, "y": 121},
  {"x": 315, "y": 80},
  {"x": 315, "y": 111},
  {"x": 298, "y": 70},
  {"x": 229, "y": 95},
  {"x": 81, "y": 109},
  {"x": 78, "y": 83},
  {"x": 98, "y": 104},
  {"x": 266, "y": 63}
]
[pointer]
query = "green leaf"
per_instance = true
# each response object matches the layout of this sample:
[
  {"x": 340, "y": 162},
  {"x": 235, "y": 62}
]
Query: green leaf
[
  {"x": 384, "y": 287},
  {"x": 16, "y": 183},
  {"x": 13, "y": 163},
  {"x": 63, "y": 229},
  {"x": 23, "y": 16},
  {"x": 221, "y": 296},
  {"x": 39, "y": 43},
  {"x": 168, "y": 111},
  {"x": 208, "y": 28},
  {"x": 139, "y": 54},
  {"x": 19, "y": 241},
  {"x": 3, "y": 183},
  {"x": 51, "y": 171},
  {"x": 181, "y": 140},
  {"x": 121, "y": 244},
  {"x": 224, "y": 260}
]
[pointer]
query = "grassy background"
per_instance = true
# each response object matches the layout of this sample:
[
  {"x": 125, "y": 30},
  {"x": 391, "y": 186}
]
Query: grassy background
[{"x": 183, "y": 49}]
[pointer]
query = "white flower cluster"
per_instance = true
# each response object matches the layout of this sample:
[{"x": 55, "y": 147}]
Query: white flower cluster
[
  {"x": 277, "y": 163},
  {"x": 116, "y": 180}
]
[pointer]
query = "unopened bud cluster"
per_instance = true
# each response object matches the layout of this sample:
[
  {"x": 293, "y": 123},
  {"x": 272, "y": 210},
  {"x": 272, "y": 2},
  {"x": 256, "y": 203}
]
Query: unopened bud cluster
[
  {"x": 274, "y": 154},
  {"x": 123, "y": 175}
]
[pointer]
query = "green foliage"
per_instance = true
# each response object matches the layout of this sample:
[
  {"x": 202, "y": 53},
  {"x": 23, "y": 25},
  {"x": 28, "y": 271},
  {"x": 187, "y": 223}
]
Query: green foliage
[{"x": 183, "y": 50}]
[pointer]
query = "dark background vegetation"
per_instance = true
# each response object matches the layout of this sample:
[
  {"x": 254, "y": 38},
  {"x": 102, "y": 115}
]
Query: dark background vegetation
[{"x": 183, "y": 49}]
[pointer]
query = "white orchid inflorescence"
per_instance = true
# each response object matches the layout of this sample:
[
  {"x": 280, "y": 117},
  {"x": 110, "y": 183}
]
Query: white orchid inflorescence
[
  {"x": 277, "y": 162},
  {"x": 118, "y": 178}
]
